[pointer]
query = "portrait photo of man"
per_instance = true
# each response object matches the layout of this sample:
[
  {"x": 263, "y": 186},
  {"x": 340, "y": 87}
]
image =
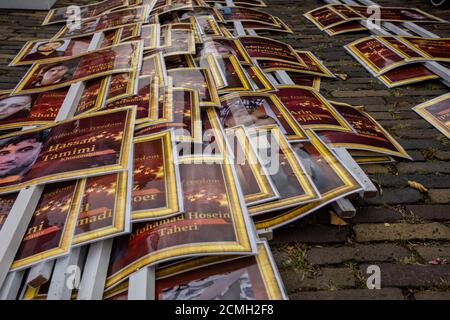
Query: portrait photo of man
[
  {"x": 47, "y": 50},
  {"x": 251, "y": 112},
  {"x": 55, "y": 73},
  {"x": 18, "y": 154},
  {"x": 77, "y": 47},
  {"x": 219, "y": 48},
  {"x": 222, "y": 47},
  {"x": 15, "y": 105},
  {"x": 229, "y": 286}
]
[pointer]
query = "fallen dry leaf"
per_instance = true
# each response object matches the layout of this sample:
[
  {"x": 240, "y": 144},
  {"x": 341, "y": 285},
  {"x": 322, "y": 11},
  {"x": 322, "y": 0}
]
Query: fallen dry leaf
[
  {"x": 417, "y": 186},
  {"x": 342, "y": 76},
  {"x": 335, "y": 220}
]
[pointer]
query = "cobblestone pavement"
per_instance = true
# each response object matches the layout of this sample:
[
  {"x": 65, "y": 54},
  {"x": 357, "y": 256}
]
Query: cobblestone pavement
[{"x": 405, "y": 232}]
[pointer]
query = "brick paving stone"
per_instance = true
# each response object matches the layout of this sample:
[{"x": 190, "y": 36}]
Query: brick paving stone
[
  {"x": 352, "y": 294},
  {"x": 359, "y": 253},
  {"x": 412, "y": 144},
  {"x": 380, "y": 108},
  {"x": 401, "y": 231},
  {"x": 376, "y": 215},
  {"x": 442, "y": 155},
  {"x": 396, "y": 196},
  {"x": 407, "y": 133},
  {"x": 415, "y": 124},
  {"x": 361, "y": 93},
  {"x": 423, "y": 167},
  {"x": 432, "y": 295},
  {"x": 281, "y": 257},
  {"x": 325, "y": 279},
  {"x": 422, "y": 94},
  {"x": 416, "y": 155},
  {"x": 439, "y": 195},
  {"x": 430, "y": 253},
  {"x": 362, "y": 101},
  {"x": 430, "y": 212},
  {"x": 382, "y": 115},
  {"x": 311, "y": 234},
  {"x": 389, "y": 114},
  {"x": 412, "y": 276},
  {"x": 401, "y": 181}
]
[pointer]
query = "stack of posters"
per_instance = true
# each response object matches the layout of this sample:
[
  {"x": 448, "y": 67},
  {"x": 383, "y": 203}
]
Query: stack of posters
[
  {"x": 337, "y": 19},
  {"x": 397, "y": 60},
  {"x": 180, "y": 146},
  {"x": 60, "y": 15}
]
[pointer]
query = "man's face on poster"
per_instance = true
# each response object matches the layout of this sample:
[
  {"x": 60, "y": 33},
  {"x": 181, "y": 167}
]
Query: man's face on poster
[
  {"x": 217, "y": 48},
  {"x": 78, "y": 47},
  {"x": 49, "y": 47},
  {"x": 17, "y": 158},
  {"x": 12, "y": 105},
  {"x": 239, "y": 115},
  {"x": 54, "y": 74}
]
